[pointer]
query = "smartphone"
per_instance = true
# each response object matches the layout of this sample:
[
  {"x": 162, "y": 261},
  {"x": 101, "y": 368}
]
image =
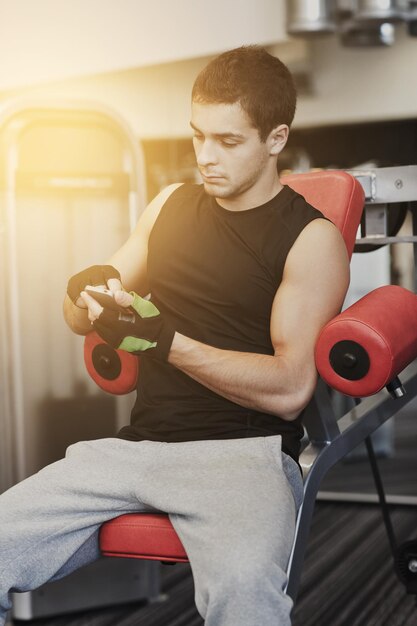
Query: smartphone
[{"x": 105, "y": 297}]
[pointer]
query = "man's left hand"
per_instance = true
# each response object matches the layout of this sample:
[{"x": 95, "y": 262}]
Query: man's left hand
[{"x": 141, "y": 330}]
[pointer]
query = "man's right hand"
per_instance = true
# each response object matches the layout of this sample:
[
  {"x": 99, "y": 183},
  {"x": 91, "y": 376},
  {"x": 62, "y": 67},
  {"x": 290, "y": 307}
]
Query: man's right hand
[{"x": 104, "y": 275}]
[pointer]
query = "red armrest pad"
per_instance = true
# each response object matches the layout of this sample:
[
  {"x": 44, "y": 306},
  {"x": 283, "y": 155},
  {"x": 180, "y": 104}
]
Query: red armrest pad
[
  {"x": 380, "y": 331},
  {"x": 114, "y": 371}
]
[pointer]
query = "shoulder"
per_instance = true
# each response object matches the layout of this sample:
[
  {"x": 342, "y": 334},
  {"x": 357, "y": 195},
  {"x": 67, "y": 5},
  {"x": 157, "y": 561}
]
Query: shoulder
[
  {"x": 295, "y": 213},
  {"x": 172, "y": 195},
  {"x": 179, "y": 192},
  {"x": 174, "y": 203},
  {"x": 158, "y": 202},
  {"x": 308, "y": 225},
  {"x": 296, "y": 208},
  {"x": 153, "y": 209},
  {"x": 321, "y": 232},
  {"x": 318, "y": 251}
]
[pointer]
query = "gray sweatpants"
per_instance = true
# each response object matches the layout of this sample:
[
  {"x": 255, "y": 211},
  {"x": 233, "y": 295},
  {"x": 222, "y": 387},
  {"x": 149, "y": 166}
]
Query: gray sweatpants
[{"x": 233, "y": 503}]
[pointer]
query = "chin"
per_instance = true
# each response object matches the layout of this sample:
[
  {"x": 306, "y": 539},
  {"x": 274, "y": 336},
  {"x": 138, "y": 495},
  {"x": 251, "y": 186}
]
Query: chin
[
  {"x": 213, "y": 189},
  {"x": 219, "y": 191}
]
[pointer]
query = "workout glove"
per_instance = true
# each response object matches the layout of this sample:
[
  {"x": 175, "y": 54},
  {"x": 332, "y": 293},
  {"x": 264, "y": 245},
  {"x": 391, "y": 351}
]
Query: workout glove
[
  {"x": 140, "y": 330},
  {"x": 94, "y": 275}
]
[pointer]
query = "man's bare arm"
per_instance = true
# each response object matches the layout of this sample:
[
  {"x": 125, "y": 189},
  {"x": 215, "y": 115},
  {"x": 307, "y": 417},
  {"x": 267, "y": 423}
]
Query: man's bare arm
[
  {"x": 76, "y": 317},
  {"x": 314, "y": 285},
  {"x": 130, "y": 260}
]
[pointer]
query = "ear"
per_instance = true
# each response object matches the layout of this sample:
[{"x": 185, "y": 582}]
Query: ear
[{"x": 277, "y": 139}]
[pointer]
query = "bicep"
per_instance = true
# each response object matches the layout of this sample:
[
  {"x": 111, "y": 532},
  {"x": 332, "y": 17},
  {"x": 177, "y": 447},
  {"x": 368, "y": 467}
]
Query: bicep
[
  {"x": 131, "y": 259},
  {"x": 312, "y": 291}
]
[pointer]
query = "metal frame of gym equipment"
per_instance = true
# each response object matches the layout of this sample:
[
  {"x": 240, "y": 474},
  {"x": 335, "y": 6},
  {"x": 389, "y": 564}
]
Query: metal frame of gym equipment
[{"x": 330, "y": 439}]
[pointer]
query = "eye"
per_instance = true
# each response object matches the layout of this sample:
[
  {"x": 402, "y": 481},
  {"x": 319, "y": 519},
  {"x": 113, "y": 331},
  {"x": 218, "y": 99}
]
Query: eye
[
  {"x": 228, "y": 144},
  {"x": 198, "y": 136}
]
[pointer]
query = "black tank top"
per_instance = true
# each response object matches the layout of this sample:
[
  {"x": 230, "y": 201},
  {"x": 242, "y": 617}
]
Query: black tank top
[{"x": 214, "y": 274}]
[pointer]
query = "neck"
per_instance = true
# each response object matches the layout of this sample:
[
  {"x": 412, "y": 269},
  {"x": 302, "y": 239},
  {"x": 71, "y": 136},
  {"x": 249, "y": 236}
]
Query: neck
[{"x": 253, "y": 197}]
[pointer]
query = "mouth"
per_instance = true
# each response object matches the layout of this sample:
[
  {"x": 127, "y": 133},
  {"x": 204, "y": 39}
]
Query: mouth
[{"x": 211, "y": 177}]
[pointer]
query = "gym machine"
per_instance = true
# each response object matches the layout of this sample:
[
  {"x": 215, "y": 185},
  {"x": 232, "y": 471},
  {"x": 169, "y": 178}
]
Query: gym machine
[{"x": 390, "y": 192}]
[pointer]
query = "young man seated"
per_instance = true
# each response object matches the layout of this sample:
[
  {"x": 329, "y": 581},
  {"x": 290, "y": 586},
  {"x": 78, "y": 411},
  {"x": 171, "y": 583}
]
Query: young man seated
[{"x": 242, "y": 274}]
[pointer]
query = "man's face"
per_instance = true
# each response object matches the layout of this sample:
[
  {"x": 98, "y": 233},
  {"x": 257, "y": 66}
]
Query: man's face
[{"x": 230, "y": 155}]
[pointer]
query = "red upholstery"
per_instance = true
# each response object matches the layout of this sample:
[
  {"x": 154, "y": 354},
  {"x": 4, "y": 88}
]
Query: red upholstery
[
  {"x": 114, "y": 371},
  {"x": 384, "y": 324},
  {"x": 140, "y": 535}
]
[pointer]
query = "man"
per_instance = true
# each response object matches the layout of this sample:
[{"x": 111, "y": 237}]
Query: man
[{"x": 242, "y": 274}]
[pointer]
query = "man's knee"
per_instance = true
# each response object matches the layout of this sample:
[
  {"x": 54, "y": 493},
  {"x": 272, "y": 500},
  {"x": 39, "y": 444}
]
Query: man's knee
[
  {"x": 244, "y": 575},
  {"x": 245, "y": 587}
]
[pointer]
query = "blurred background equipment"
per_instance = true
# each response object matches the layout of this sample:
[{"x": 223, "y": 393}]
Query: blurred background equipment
[
  {"x": 72, "y": 185},
  {"x": 358, "y": 23},
  {"x": 311, "y": 17}
]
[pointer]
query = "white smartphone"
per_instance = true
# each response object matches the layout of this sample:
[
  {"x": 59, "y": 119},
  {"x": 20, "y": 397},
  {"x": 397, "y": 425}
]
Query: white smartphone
[{"x": 105, "y": 297}]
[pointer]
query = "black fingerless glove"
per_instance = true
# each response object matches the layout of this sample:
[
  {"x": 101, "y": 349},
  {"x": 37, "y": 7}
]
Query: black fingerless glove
[
  {"x": 94, "y": 275},
  {"x": 141, "y": 330}
]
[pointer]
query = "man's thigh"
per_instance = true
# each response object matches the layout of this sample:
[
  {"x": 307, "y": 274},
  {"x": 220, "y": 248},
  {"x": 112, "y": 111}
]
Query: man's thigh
[
  {"x": 94, "y": 482},
  {"x": 234, "y": 510},
  {"x": 227, "y": 489}
]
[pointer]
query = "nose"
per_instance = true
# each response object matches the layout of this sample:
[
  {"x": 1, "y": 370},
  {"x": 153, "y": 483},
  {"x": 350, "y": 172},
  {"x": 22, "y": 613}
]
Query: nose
[{"x": 206, "y": 153}]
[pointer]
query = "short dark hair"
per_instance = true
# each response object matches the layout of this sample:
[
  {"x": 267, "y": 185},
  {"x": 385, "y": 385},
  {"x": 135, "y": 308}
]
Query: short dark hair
[{"x": 260, "y": 82}]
